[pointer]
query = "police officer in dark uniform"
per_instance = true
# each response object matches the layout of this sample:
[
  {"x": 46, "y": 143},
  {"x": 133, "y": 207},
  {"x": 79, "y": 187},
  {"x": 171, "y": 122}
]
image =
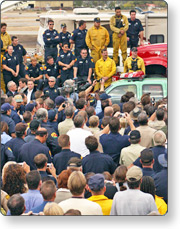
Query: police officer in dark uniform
[
  {"x": 52, "y": 138},
  {"x": 78, "y": 38},
  {"x": 10, "y": 67},
  {"x": 64, "y": 37},
  {"x": 5, "y": 116},
  {"x": 65, "y": 62},
  {"x": 35, "y": 72},
  {"x": 51, "y": 40},
  {"x": 83, "y": 67},
  {"x": 6, "y": 155},
  {"x": 15, "y": 144},
  {"x": 20, "y": 52},
  {"x": 52, "y": 90},
  {"x": 51, "y": 69},
  {"x": 135, "y": 29},
  {"x": 29, "y": 150}
]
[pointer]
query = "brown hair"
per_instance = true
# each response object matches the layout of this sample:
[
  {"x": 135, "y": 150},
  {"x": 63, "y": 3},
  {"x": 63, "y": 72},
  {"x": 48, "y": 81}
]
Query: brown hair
[
  {"x": 120, "y": 176},
  {"x": 63, "y": 140},
  {"x": 38, "y": 94},
  {"x": 4, "y": 127},
  {"x": 62, "y": 179},
  {"x": 48, "y": 189}
]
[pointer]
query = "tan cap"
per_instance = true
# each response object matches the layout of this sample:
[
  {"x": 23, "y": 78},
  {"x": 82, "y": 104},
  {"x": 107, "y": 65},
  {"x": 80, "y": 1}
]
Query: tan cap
[
  {"x": 18, "y": 98},
  {"x": 135, "y": 173}
]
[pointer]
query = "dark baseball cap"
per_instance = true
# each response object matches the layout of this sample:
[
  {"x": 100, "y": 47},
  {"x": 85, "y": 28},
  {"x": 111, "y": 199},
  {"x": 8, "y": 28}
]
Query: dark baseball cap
[
  {"x": 59, "y": 100},
  {"x": 29, "y": 107},
  {"x": 96, "y": 182},
  {"x": 134, "y": 49},
  {"x": 104, "y": 96},
  {"x": 34, "y": 124},
  {"x": 63, "y": 25},
  {"x": 51, "y": 114},
  {"x": 135, "y": 134},
  {"x": 147, "y": 155},
  {"x": 97, "y": 19},
  {"x": 5, "y": 107}
]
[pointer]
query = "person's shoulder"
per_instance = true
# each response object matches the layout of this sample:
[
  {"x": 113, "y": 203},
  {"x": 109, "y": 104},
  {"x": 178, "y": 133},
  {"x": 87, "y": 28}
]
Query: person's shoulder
[{"x": 124, "y": 16}]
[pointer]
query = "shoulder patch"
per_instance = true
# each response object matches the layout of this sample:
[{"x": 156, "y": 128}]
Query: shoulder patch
[
  {"x": 9, "y": 149},
  {"x": 41, "y": 68},
  {"x": 50, "y": 153},
  {"x": 45, "y": 67},
  {"x": 72, "y": 34},
  {"x": 92, "y": 60},
  {"x": 54, "y": 135},
  {"x": 27, "y": 68},
  {"x": 4, "y": 58},
  {"x": 7, "y": 197}
]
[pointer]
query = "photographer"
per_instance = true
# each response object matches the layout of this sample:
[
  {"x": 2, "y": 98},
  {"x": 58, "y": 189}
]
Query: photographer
[{"x": 68, "y": 91}]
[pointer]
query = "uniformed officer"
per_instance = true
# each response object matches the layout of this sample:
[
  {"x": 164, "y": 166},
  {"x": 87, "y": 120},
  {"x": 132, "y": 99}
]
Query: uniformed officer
[
  {"x": 51, "y": 40},
  {"x": 5, "y": 116},
  {"x": 52, "y": 90},
  {"x": 10, "y": 67},
  {"x": 135, "y": 30},
  {"x": 78, "y": 38},
  {"x": 97, "y": 39},
  {"x": 6, "y": 155},
  {"x": 51, "y": 69},
  {"x": 5, "y": 37},
  {"x": 64, "y": 36},
  {"x": 83, "y": 67},
  {"x": 20, "y": 52},
  {"x": 35, "y": 72},
  {"x": 134, "y": 63},
  {"x": 65, "y": 62},
  {"x": 119, "y": 25},
  {"x": 105, "y": 68}
]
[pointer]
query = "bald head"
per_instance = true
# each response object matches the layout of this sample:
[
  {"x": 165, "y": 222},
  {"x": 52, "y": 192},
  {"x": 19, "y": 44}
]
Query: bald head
[
  {"x": 159, "y": 138},
  {"x": 41, "y": 134},
  {"x": 108, "y": 111}
]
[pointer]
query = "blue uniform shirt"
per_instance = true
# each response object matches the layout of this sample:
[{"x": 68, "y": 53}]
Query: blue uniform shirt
[
  {"x": 64, "y": 38},
  {"x": 66, "y": 58},
  {"x": 51, "y": 70},
  {"x": 15, "y": 116},
  {"x": 15, "y": 145},
  {"x": 10, "y": 122},
  {"x": 34, "y": 71},
  {"x": 50, "y": 34},
  {"x": 6, "y": 155},
  {"x": 19, "y": 51},
  {"x": 11, "y": 62},
  {"x": 84, "y": 65},
  {"x": 134, "y": 28},
  {"x": 52, "y": 92},
  {"x": 78, "y": 36},
  {"x": 30, "y": 150}
]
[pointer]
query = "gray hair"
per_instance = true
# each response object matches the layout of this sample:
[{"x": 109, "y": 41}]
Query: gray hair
[
  {"x": 159, "y": 138},
  {"x": 42, "y": 114},
  {"x": 10, "y": 83},
  {"x": 52, "y": 78},
  {"x": 69, "y": 111},
  {"x": 49, "y": 103},
  {"x": 142, "y": 118}
]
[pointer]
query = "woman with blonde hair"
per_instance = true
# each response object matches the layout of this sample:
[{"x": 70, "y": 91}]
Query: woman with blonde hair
[{"x": 53, "y": 209}]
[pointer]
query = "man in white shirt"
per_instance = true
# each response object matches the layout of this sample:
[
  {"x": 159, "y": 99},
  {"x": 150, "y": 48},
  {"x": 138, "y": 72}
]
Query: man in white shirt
[
  {"x": 133, "y": 201},
  {"x": 78, "y": 136},
  {"x": 30, "y": 91}
]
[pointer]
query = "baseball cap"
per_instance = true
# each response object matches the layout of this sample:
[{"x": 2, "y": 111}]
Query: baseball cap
[
  {"x": 96, "y": 182},
  {"x": 134, "y": 49},
  {"x": 74, "y": 162},
  {"x": 97, "y": 19},
  {"x": 34, "y": 124},
  {"x": 162, "y": 159},
  {"x": 135, "y": 134},
  {"x": 135, "y": 112},
  {"x": 59, "y": 100},
  {"x": 104, "y": 96},
  {"x": 134, "y": 173},
  {"x": 29, "y": 107},
  {"x": 5, "y": 107},
  {"x": 146, "y": 155},
  {"x": 63, "y": 25},
  {"x": 51, "y": 114},
  {"x": 18, "y": 98}
]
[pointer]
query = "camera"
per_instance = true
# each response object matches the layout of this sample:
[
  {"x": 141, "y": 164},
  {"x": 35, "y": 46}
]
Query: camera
[{"x": 64, "y": 105}]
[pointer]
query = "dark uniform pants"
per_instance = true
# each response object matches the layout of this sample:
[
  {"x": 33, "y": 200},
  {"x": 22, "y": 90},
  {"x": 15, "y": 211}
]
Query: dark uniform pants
[
  {"x": 133, "y": 42},
  {"x": 40, "y": 83},
  {"x": 51, "y": 52},
  {"x": 66, "y": 75},
  {"x": 21, "y": 70}
]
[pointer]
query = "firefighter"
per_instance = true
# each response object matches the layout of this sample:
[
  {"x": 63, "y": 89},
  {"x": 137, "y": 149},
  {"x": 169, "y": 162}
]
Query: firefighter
[
  {"x": 134, "y": 63},
  {"x": 2, "y": 79},
  {"x": 119, "y": 25},
  {"x": 105, "y": 68},
  {"x": 5, "y": 37},
  {"x": 135, "y": 29},
  {"x": 97, "y": 38}
]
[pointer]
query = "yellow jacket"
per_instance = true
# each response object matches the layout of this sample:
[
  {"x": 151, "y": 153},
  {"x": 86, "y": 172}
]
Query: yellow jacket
[
  {"x": 104, "y": 202},
  {"x": 97, "y": 38},
  {"x": 6, "y": 40},
  {"x": 124, "y": 22},
  {"x": 161, "y": 205},
  {"x": 128, "y": 66},
  {"x": 105, "y": 69}
]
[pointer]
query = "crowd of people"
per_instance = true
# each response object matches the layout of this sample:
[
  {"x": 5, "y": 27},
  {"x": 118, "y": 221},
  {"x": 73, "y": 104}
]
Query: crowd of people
[{"x": 69, "y": 152}]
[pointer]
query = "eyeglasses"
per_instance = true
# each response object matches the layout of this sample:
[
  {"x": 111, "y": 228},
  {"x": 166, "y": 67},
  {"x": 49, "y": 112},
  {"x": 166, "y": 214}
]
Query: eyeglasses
[
  {"x": 51, "y": 81},
  {"x": 84, "y": 52},
  {"x": 51, "y": 24}
]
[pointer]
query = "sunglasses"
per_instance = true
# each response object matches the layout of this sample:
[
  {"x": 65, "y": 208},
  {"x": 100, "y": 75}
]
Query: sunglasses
[
  {"x": 51, "y": 81},
  {"x": 51, "y": 24}
]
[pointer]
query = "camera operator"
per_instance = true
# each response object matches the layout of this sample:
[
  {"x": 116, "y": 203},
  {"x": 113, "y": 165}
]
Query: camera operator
[{"x": 68, "y": 91}]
